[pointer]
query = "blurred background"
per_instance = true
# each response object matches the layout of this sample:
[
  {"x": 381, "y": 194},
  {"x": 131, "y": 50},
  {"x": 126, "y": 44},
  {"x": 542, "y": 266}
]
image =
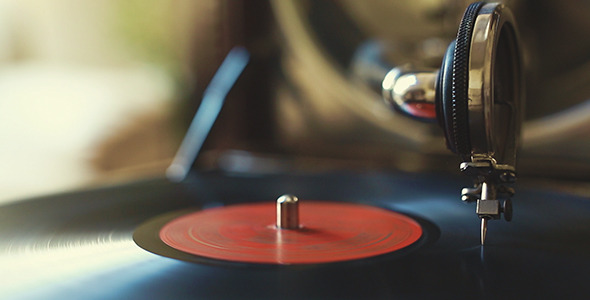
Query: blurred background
[
  {"x": 101, "y": 92},
  {"x": 89, "y": 90}
]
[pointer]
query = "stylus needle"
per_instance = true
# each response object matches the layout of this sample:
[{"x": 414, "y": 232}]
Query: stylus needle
[{"x": 484, "y": 229}]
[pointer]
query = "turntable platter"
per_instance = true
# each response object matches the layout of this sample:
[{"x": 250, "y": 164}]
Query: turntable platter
[{"x": 80, "y": 245}]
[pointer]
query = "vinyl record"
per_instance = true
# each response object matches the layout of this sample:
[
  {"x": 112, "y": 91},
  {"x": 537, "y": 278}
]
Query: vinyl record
[
  {"x": 248, "y": 233},
  {"x": 80, "y": 245}
]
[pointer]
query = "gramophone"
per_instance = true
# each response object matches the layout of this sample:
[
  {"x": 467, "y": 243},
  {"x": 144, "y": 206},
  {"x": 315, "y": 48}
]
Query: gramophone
[{"x": 324, "y": 161}]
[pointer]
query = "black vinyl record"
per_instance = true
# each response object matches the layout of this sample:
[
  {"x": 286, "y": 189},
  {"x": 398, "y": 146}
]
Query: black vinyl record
[{"x": 81, "y": 245}]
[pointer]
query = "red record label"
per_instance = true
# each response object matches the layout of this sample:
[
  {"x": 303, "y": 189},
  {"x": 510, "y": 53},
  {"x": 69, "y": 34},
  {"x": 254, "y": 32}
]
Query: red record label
[{"x": 329, "y": 232}]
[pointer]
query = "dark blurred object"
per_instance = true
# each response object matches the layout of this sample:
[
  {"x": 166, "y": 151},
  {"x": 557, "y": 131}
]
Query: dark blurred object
[
  {"x": 245, "y": 119},
  {"x": 308, "y": 100},
  {"x": 558, "y": 53}
]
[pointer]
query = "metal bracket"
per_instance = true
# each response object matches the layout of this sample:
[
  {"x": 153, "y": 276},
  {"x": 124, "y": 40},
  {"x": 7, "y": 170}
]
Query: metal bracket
[{"x": 492, "y": 182}]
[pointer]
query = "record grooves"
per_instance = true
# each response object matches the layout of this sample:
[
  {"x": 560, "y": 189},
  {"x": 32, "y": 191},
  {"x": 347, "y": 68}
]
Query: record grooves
[{"x": 80, "y": 245}]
